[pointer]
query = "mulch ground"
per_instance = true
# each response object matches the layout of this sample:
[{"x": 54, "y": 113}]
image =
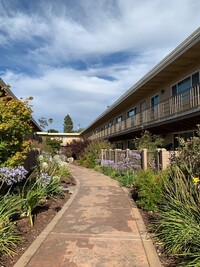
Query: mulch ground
[{"x": 43, "y": 215}]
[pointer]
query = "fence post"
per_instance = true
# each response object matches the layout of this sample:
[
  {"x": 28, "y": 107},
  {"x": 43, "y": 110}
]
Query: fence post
[
  {"x": 144, "y": 159},
  {"x": 127, "y": 152},
  {"x": 158, "y": 159},
  {"x": 163, "y": 158},
  {"x": 102, "y": 155},
  {"x": 116, "y": 155}
]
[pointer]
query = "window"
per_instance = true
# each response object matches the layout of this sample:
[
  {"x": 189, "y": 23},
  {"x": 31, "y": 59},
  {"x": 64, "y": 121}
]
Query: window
[
  {"x": 131, "y": 113},
  {"x": 154, "y": 100},
  {"x": 119, "y": 119},
  {"x": 185, "y": 84}
]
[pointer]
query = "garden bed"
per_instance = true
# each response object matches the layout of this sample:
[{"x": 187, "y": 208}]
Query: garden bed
[{"x": 42, "y": 217}]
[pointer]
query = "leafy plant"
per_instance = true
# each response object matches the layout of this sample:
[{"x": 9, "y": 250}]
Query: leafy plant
[
  {"x": 76, "y": 148},
  {"x": 92, "y": 153},
  {"x": 51, "y": 185},
  {"x": 9, "y": 236},
  {"x": 148, "y": 141},
  {"x": 15, "y": 124},
  {"x": 9, "y": 205},
  {"x": 149, "y": 186},
  {"x": 31, "y": 194},
  {"x": 52, "y": 145},
  {"x": 179, "y": 223}
]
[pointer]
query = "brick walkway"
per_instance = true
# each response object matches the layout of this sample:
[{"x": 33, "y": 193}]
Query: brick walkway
[{"x": 98, "y": 227}]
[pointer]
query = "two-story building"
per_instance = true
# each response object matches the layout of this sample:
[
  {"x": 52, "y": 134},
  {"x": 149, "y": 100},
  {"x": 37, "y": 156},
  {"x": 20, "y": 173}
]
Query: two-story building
[{"x": 166, "y": 101}]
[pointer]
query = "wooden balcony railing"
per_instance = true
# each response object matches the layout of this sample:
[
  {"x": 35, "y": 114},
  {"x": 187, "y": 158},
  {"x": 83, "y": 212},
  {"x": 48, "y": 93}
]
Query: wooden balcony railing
[{"x": 185, "y": 102}]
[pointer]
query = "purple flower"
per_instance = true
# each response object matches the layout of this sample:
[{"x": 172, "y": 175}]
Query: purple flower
[{"x": 12, "y": 176}]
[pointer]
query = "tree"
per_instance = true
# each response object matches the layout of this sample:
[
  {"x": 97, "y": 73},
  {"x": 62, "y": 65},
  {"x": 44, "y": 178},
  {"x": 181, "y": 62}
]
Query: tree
[
  {"x": 43, "y": 122},
  {"x": 68, "y": 124},
  {"x": 15, "y": 124},
  {"x": 52, "y": 131},
  {"x": 148, "y": 141}
]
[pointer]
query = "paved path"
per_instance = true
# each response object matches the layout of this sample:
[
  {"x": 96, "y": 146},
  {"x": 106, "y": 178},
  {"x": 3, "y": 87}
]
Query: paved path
[{"x": 98, "y": 227}]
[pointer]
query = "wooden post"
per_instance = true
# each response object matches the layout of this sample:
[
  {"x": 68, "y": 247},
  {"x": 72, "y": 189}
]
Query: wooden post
[{"x": 144, "y": 159}]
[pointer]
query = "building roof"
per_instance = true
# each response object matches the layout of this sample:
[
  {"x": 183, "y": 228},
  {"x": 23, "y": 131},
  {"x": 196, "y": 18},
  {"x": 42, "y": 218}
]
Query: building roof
[
  {"x": 58, "y": 134},
  {"x": 177, "y": 60}
]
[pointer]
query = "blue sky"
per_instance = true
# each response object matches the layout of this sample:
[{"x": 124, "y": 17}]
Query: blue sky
[{"x": 78, "y": 57}]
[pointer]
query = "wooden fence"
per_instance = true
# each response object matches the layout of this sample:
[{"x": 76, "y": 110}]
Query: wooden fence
[
  {"x": 158, "y": 160},
  {"x": 31, "y": 160}
]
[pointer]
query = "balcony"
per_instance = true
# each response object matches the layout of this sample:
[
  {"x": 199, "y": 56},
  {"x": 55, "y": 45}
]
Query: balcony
[{"x": 182, "y": 104}]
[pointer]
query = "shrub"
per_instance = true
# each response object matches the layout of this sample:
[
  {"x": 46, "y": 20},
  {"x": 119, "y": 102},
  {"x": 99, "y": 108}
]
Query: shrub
[
  {"x": 149, "y": 141},
  {"x": 124, "y": 170},
  {"x": 92, "y": 153},
  {"x": 52, "y": 145},
  {"x": 76, "y": 148},
  {"x": 15, "y": 124},
  {"x": 149, "y": 189}
]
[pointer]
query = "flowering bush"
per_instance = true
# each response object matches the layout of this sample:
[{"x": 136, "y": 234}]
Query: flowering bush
[
  {"x": 130, "y": 163},
  {"x": 15, "y": 124},
  {"x": 12, "y": 176},
  {"x": 123, "y": 170}
]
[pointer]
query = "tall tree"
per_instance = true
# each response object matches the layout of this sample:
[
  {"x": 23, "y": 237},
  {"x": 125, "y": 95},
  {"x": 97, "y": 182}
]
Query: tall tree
[
  {"x": 68, "y": 124},
  {"x": 43, "y": 122}
]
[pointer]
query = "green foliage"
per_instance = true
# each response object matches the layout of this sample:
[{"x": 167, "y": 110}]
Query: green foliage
[
  {"x": 9, "y": 205},
  {"x": 68, "y": 124},
  {"x": 93, "y": 152},
  {"x": 179, "y": 223},
  {"x": 149, "y": 189},
  {"x": 53, "y": 145},
  {"x": 52, "y": 131},
  {"x": 188, "y": 158},
  {"x": 31, "y": 194},
  {"x": 43, "y": 122},
  {"x": 148, "y": 141},
  {"x": 9, "y": 236},
  {"x": 15, "y": 124}
]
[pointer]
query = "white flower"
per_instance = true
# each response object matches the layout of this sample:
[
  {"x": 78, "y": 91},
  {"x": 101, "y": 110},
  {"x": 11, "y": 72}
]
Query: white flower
[
  {"x": 40, "y": 158},
  {"x": 44, "y": 165}
]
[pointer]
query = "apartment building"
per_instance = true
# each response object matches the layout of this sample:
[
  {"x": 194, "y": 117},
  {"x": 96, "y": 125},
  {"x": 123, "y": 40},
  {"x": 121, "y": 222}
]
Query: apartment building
[{"x": 166, "y": 101}]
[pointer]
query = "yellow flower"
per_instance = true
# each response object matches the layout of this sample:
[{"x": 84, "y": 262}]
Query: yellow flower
[{"x": 195, "y": 179}]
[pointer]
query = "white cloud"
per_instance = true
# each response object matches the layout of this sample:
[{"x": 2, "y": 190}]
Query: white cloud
[{"x": 62, "y": 32}]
